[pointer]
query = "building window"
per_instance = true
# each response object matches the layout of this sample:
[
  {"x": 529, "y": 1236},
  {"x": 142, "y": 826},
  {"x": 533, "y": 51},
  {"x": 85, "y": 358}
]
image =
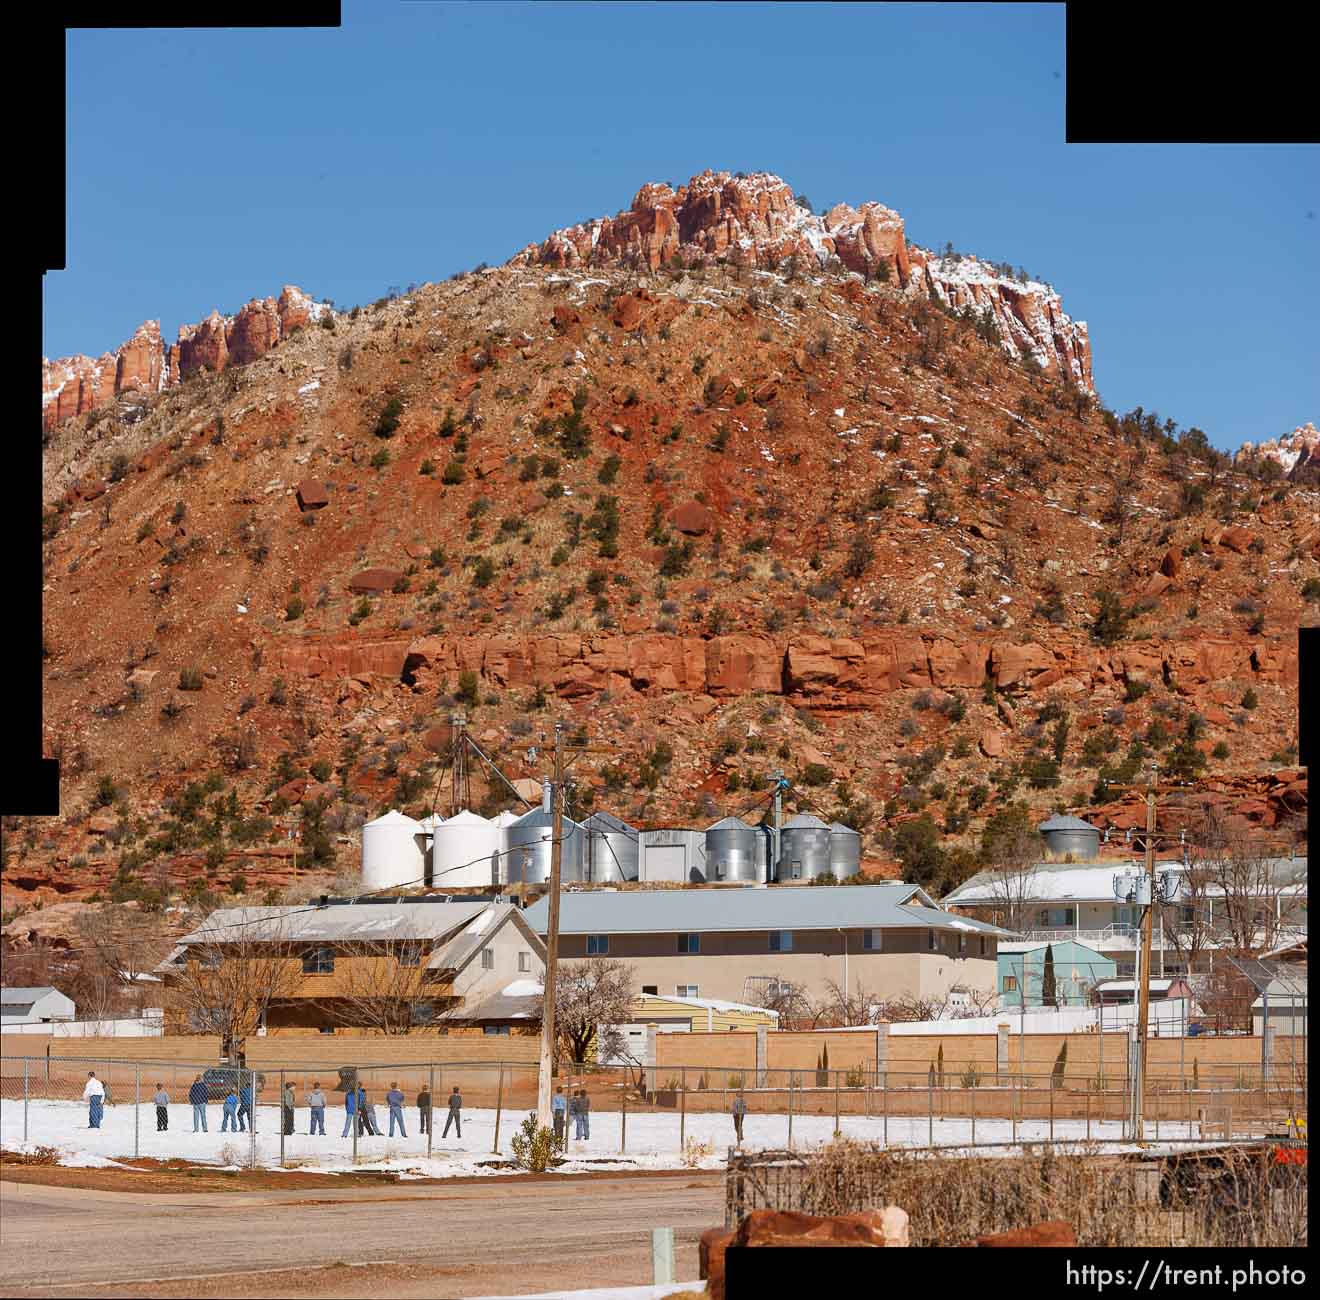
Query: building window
[
  {"x": 687, "y": 991},
  {"x": 1010, "y": 983},
  {"x": 689, "y": 943},
  {"x": 598, "y": 945},
  {"x": 983, "y": 945},
  {"x": 962, "y": 942},
  {"x": 930, "y": 940},
  {"x": 495, "y": 1029},
  {"x": 319, "y": 961},
  {"x": 409, "y": 954},
  {"x": 326, "y": 1029},
  {"x": 653, "y": 989},
  {"x": 781, "y": 940},
  {"x": 524, "y": 962},
  {"x": 872, "y": 940},
  {"x": 487, "y": 959},
  {"x": 1055, "y": 918}
]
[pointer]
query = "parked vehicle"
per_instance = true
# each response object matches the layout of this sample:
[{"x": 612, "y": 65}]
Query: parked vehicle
[{"x": 219, "y": 1079}]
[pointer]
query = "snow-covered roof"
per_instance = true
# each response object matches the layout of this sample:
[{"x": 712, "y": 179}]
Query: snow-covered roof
[
  {"x": 343, "y": 923},
  {"x": 714, "y": 1004}
]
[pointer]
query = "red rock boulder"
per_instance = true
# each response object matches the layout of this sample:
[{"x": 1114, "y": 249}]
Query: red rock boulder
[
  {"x": 1053, "y": 1232},
  {"x": 693, "y": 518},
  {"x": 371, "y": 582},
  {"x": 312, "y": 495}
]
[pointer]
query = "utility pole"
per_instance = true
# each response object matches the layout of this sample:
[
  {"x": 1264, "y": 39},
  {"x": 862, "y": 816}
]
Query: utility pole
[
  {"x": 551, "y": 936},
  {"x": 1143, "y": 966},
  {"x": 772, "y": 870},
  {"x": 458, "y": 722}
]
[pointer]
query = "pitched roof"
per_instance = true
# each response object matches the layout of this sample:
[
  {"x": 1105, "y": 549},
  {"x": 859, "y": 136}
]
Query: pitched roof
[
  {"x": 455, "y": 955},
  {"x": 10, "y": 993},
  {"x": 889, "y": 905},
  {"x": 1064, "y": 822},
  {"x": 344, "y": 923}
]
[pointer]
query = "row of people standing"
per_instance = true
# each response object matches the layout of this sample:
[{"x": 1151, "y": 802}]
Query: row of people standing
[{"x": 577, "y": 1107}]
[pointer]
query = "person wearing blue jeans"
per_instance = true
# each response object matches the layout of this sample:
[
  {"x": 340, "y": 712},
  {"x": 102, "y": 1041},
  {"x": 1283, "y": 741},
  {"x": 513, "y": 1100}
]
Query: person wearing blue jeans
[
  {"x": 350, "y": 1111},
  {"x": 583, "y": 1115},
  {"x": 197, "y": 1095},
  {"x": 394, "y": 1098},
  {"x": 559, "y": 1114},
  {"x": 229, "y": 1122},
  {"x": 94, "y": 1096},
  {"x": 245, "y": 1108},
  {"x": 316, "y": 1103}
]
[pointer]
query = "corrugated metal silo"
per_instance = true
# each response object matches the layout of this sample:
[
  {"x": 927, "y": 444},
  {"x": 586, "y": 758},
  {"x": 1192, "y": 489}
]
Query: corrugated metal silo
[
  {"x": 465, "y": 851},
  {"x": 1066, "y": 836},
  {"x": 611, "y": 850},
  {"x": 731, "y": 851},
  {"x": 804, "y": 848},
  {"x": 393, "y": 856},
  {"x": 528, "y": 845},
  {"x": 845, "y": 851}
]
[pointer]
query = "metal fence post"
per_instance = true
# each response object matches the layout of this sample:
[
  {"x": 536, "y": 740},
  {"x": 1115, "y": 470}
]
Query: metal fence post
[
  {"x": 836, "y": 1103},
  {"x": 357, "y": 1115},
  {"x": 930, "y": 1109},
  {"x": 623, "y": 1127},
  {"x": 499, "y": 1105},
  {"x": 972, "y": 1099},
  {"x": 1051, "y": 1108},
  {"x": 884, "y": 1102},
  {"x": 682, "y": 1108},
  {"x": 283, "y": 1122},
  {"x": 137, "y": 1110},
  {"x": 1088, "y": 1114},
  {"x": 252, "y": 1117},
  {"x": 1013, "y": 1105},
  {"x": 790, "y": 1110},
  {"x": 25, "y": 1099},
  {"x": 430, "y": 1115}
]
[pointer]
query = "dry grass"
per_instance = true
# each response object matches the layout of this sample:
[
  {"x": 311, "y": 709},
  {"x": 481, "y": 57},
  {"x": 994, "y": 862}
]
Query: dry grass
[
  {"x": 37, "y": 1156},
  {"x": 1110, "y": 1202}
]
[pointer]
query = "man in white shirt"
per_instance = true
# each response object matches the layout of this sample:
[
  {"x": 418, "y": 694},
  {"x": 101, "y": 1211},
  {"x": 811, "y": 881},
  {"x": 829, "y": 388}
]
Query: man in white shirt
[{"x": 94, "y": 1096}]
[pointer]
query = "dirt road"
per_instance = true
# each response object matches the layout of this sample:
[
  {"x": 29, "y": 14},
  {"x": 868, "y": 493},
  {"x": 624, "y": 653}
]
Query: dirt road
[{"x": 500, "y": 1237}]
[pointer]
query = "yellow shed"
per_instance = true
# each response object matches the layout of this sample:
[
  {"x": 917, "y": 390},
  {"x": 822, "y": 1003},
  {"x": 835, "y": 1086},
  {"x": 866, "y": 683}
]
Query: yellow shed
[{"x": 698, "y": 1014}]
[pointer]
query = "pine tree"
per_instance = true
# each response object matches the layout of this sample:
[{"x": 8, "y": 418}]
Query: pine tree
[
  {"x": 1048, "y": 991},
  {"x": 1060, "y": 1065},
  {"x": 939, "y": 1065}
]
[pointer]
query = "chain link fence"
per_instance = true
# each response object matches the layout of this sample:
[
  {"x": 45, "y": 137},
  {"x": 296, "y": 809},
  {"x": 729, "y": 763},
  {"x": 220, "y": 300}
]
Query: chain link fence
[{"x": 647, "y": 1115}]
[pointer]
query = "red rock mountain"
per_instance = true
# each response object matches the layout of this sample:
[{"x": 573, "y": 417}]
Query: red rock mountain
[
  {"x": 725, "y": 518},
  {"x": 1296, "y": 453},
  {"x": 76, "y": 385},
  {"x": 756, "y": 221}
]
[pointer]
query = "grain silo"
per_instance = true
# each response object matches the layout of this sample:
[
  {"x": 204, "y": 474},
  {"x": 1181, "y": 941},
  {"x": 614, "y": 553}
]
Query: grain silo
[
  {"x": 610, "y": 849},
  {"x": 676, "y": 854},
  {"x": 731, "y": 851},
  {"x": 528, "y": 844},
  {"x": 465, "y": 851},
  {"x": 804, "y": 848},
  {"x": 1070, "y": 837},
  {"x": 845, "y": 851},
  {"x": 393, "y": 852}
]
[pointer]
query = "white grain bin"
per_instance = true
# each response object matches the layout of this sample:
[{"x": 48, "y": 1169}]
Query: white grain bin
[
  {"x": 465, "y": 851},
  {"x": 393, "y": 856}
]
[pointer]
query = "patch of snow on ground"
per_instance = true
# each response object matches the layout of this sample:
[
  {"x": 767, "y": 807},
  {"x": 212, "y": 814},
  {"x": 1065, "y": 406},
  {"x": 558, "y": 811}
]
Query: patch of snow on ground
[{"x": 310, "y": 388}]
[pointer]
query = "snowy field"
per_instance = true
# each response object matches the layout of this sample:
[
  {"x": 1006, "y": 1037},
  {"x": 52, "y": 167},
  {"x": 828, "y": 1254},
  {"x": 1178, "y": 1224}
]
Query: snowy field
[{"x": 652, "y": 1139}]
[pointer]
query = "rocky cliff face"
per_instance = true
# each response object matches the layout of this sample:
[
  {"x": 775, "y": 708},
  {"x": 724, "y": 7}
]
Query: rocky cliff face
[
  {"x": 1296, "y": 452},
  {"x": 756, "y": 221},
  {"x": 75, "y": 385}
]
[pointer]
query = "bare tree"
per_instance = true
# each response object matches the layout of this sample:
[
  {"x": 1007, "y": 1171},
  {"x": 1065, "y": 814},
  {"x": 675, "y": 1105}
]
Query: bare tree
[
  {"x": 1013, "y": 894},
  {"x": 382, "y": 987},
  {"x": 839, "y": 1007},
  {"x": 126, "y": 943},
  {"x": 228, "y": 978},
  {"x": 592, "y": 1000},
  {"x": 794, "y": 1008}
]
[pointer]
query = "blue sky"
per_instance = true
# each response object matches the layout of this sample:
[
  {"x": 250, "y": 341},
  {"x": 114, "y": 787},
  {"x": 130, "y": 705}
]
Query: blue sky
[{"x": 209, "y": 167}]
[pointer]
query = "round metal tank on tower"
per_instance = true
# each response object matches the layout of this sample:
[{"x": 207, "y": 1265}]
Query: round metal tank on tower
[
  {"x": 610, "y": 849},
  {"x": 527, "y": 847},
  {"x": 393, "y": 853},
  {"x": 1070, "y": 837},
  {"x": 845, "y": 851},
  {"x": 731, "y": 851},
  {"x": 804, "y": 848},
  {"x": 465, "y": 851}
]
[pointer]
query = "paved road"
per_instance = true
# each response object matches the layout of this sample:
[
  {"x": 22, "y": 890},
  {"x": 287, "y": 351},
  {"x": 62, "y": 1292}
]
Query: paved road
[{"x": 501, "y": 1237}]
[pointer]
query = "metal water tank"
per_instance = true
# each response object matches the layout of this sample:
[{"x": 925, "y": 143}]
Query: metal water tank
[
  {"x": 804, "y": 848},
  {"x": 1066, "y": 836},
  {"x": 731, "y": 851},
  {"x": 611, "y": 850},
  {"x": 845, "y": 851},
  {"x": 463, "y": 850},
  {"x": 528, "y": 844},
  {"x": 393, "y": 856}
]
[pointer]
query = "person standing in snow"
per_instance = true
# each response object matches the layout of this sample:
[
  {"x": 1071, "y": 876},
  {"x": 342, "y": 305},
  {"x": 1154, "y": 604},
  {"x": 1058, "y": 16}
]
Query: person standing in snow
[
  {"x": 94, "y": 1096},
  {"x": 286, "y": 1105},
  {"x": 739, "y": 1110},
  {"x": 316, "y": 1103},
  {"x": 559, "y": 1114},
  {"x": 395, "y": 1099},
  {"x": 367, "y": 1114},
  {"x": 162, "y": 1100},
  {"x": 350, "y": 1111},
  {"x": 424, "y": 1109},
  {"x": 455, "y": 1116},
  {"x": 583, "y": 1115},
  {"x": 229, "y": 1120},
  {"x": 197, "y": 1095}
]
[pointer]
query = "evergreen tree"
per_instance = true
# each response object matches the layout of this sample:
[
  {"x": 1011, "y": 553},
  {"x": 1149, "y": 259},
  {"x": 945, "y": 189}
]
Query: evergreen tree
[{"x": 1048, "y": 990}]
